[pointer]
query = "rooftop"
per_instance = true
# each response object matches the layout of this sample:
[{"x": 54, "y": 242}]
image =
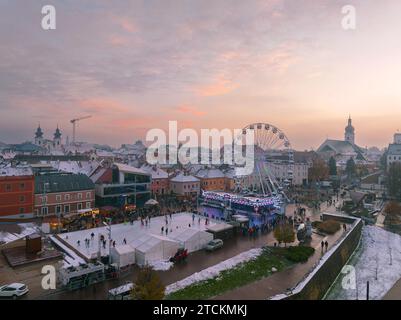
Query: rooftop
[
  {"x": 9, "y": 171},
  {"x": 62, "y": 182},
  {"x": 184, "y": 178}
]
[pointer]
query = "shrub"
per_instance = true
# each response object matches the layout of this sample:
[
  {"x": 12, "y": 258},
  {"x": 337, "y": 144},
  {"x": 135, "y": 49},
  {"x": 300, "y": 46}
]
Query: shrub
[
  {"x": 328, "y": 226},
  {"x": 299, "y": 253}
]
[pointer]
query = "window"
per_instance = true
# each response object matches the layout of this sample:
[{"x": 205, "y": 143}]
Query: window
[
  {"x": 67, "y": 197},
  {"x": 58, "y": 209},
  {"x": 79, "y": 196},
  {"x": 21, "y": 210},
  {"x": 88, "y": 195},
  {"x": 8, "y": 187},
  {"x": 44, "y": 211},
  {"x": 22, "y": 186},
  {"x": 88, "y": 205},
  {"x": 44, "y": 199},
  {"x": 67, "y": 208},
  {"x": 22, "y": 199},
  {"x": 79, "y": 206},
  {"x": 58, "y": 197}
]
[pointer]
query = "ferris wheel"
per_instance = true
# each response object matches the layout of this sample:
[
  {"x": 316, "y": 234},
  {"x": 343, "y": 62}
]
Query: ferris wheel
[{"x": 273, "y": 160}]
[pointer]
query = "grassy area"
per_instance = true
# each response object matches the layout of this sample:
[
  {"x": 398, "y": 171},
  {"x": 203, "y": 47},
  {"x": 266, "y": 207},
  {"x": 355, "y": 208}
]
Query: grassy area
[{"x": 241, "y": 275}]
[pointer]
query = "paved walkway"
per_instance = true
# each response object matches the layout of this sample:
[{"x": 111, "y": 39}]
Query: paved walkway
[{"x": 282, "y": 281}]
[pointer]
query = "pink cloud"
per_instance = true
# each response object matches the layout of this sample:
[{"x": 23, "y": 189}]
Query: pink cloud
[
  {"x": 126, "y": 24},
  {"x": 220, "y": 86},
  {"x": 103, "y": 105},
  {"x": 190, "y": 110}
]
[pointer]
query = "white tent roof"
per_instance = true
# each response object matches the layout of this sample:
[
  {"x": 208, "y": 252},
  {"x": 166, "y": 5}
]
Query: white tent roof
[
  {"x": 124, "y": 249},
  {"x": 185, "y": 234},
  {"x": 147, "y": 242}
]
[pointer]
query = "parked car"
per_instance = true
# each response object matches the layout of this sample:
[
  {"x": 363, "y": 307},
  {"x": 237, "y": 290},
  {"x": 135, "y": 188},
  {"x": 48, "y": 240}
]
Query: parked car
[
  {"x": 13, "y": 290},
  {"x": 214, "y": 245}
]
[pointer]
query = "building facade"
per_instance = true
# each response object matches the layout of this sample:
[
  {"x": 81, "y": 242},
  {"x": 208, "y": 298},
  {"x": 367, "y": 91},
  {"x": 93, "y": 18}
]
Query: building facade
[
  {"x": 185, "y": 185},
  {"x": 63, "y": 194},
  {"x": 394, "y": 151},
  {"x": 160, "y": 181},
  {"x": 16, "y": 193},
  {"x": 127, "y": 186},
  {"x": 212, "y": 179}
]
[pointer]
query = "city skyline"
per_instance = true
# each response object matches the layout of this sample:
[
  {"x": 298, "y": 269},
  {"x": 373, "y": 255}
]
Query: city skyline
[{"x": 134, "y": 66}]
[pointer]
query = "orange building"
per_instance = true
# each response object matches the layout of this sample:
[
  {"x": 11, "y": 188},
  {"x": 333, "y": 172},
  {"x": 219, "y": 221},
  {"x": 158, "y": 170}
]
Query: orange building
[
  {"x": 16, "y": 193},
  {"x": 212, "y": 180}
]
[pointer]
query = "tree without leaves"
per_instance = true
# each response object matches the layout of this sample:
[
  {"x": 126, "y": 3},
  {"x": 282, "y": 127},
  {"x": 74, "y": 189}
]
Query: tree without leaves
[
  {"x": 148, "y": 285},
  {"x": 284, "y": 233},
  {"x": 319, "y": 171}
]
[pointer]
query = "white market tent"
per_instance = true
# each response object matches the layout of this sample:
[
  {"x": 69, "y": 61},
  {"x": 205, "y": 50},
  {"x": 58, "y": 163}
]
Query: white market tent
[
  {"x": 151, "y": 202},
  {"x": 192, "y": 239},
  {"x": 152, "y": 248},
  {"x": 123, "y": 255}
]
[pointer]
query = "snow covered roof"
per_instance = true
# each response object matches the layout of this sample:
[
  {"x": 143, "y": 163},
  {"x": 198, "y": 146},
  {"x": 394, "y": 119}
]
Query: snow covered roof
[
  {"x": 184, "y": 178},
  {"x": 83, "y": 167},
  {"x": 185, "y": 234},
  {"x": 124, "y": 249},
  {"x": 9, "y": 171},
  {"x": 156, "y": 172},
  {"x": 210, "y": 174},
  {"x": 129, "y": 169},
  {"x": 147, "y": 242},
  {"x": 394, "y": 149}
]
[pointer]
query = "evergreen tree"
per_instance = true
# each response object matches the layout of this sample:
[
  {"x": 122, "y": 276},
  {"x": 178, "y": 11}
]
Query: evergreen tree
[
  {"x": 394, "y": 180},
  {"x": 333, "y": 166},
  {"x": 350, "y": 168}
]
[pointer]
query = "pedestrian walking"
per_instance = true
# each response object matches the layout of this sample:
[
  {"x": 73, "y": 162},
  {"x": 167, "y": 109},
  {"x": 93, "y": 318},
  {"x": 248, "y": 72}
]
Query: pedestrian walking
[
  {"x": 344, "y": 227},
  {"x": 326, "y": 244},
  {"x": 125, "y": 241},
  {"x": 322, "y": 244},
  {"x": 92, "y": 235},
  {"x": 78, "y": 243},
  {"x": 166, "y": 231},
  {"x": 162, "y": 229}
]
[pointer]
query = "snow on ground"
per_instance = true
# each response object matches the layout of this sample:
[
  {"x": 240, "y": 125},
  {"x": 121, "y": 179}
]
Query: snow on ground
[
  {"x": 214, "y": 271},
  {"x": 161, "y": 265},
  {"x": 119, "y": 232},
  {"x": 379, "y": 253},
  {"x": 26, "y": 230}
]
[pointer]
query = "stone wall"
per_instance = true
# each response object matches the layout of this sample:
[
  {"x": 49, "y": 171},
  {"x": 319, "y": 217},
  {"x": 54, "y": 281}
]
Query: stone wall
[{"x": 319, "y": 280}]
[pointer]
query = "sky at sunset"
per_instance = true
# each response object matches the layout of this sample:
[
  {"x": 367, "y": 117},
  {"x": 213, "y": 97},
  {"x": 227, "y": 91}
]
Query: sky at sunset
[{"x": 135, "y": 65}]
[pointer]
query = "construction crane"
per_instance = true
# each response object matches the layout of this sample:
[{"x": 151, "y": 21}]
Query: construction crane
[{"x": 74, "y": 121}]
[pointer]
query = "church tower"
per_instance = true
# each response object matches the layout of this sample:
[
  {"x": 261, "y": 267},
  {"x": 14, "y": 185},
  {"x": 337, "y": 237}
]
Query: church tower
[
  {"x": 39, "y": 136},
  {"x": 57, "y": 139},
  {"x": 349, "y": 132}
]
